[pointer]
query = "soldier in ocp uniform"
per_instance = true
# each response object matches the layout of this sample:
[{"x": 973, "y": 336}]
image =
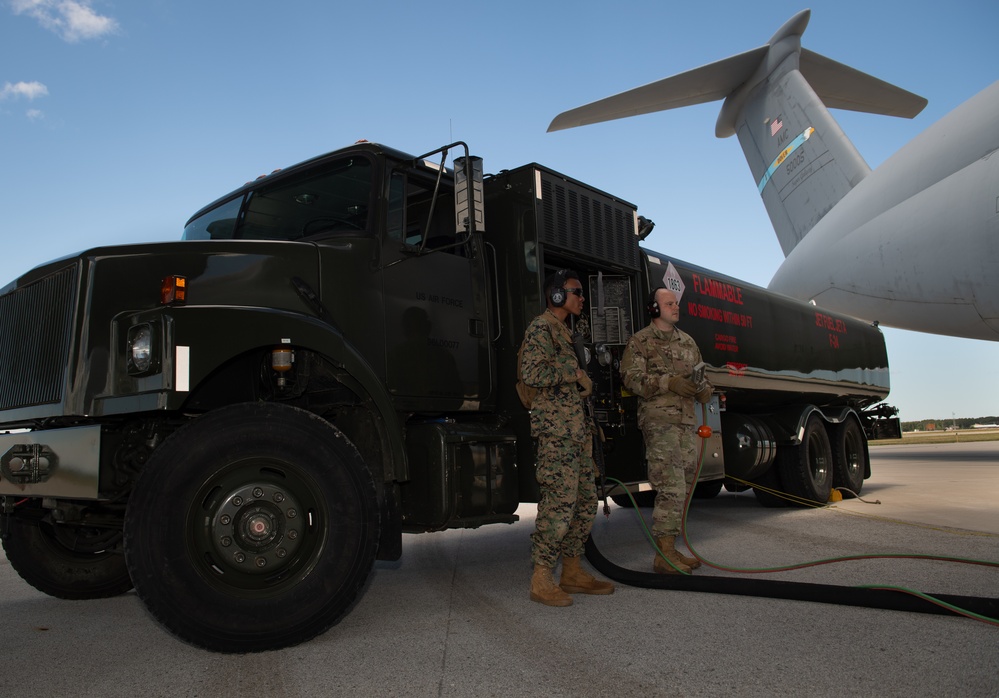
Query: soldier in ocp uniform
[
  {"x": 656, "y": 366},
  {"x": 564, "y": 463}
]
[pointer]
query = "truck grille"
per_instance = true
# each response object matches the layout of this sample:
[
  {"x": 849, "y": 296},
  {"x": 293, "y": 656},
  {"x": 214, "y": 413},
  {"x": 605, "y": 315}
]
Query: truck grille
[
  {"x": 581, "y": 219},
  {"x": 35, "y": 331}
]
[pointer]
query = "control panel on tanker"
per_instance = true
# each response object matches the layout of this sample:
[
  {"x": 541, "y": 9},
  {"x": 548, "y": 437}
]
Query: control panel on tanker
[{"x": 606, "y": 324}]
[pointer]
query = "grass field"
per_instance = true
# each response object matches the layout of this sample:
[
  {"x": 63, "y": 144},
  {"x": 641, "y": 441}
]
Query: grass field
[{"x": 941, "y": 437}]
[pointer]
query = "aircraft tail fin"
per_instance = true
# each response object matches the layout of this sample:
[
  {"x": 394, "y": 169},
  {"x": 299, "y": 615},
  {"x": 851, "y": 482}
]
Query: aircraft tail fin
[{"x": 776, "y": 100}]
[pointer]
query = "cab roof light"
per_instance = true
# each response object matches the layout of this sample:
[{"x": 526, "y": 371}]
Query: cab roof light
[{"x": 173, "y": 290}]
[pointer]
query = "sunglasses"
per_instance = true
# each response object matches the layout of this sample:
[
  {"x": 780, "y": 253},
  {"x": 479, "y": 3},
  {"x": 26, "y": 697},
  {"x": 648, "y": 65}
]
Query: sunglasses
[{"x": 575, "y": 291}]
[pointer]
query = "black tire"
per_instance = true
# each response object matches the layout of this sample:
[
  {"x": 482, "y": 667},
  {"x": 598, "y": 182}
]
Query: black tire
[
  {"x": 807, "y": 470},
  {"x": 253, "y": 527},
  {"x": 707, "y": 490},
  {"x": 849, "y": 457},
  {"x": 646, "y": 499},
  {"x": 770, "y": 480},
  {"x": 66, "y": 561}
]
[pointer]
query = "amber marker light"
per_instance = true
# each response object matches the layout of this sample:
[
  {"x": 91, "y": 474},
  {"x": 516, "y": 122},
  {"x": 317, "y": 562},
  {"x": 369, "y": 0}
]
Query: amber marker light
[
  {"x": 704, "y": 431},
  {"x": 173, "y": 290},
  {"x": 281, "y": 359}
]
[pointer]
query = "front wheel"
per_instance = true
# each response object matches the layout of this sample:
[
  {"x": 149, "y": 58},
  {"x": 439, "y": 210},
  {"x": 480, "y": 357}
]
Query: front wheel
[{"x": 253, "y": 527}]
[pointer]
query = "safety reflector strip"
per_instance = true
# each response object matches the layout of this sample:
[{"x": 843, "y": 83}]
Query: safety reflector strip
[{"x": 182, "y": 360}]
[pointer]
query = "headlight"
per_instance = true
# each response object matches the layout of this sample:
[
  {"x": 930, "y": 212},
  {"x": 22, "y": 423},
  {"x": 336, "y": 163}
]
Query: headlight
[{"x": 141, "y": 345}]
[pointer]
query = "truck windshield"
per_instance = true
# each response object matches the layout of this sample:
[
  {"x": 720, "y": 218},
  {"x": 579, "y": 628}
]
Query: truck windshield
[{"x": 330, "y": 199}]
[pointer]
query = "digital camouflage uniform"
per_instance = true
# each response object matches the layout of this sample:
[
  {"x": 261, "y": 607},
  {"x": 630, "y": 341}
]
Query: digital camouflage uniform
[
  {"x": 565, "y": 469},
  {"x": 666, "y": 419}
]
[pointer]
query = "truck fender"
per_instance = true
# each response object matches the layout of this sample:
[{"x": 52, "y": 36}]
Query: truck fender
[
  {"x": 788, "y": 424},
  {"x": 247, "y": 329}
]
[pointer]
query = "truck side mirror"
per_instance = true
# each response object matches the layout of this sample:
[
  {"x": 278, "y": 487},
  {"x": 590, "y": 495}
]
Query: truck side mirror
[{"x": 468, "y": 206}]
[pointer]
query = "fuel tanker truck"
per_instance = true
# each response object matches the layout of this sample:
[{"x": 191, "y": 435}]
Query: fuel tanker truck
[{"x": 239, "y": 423}]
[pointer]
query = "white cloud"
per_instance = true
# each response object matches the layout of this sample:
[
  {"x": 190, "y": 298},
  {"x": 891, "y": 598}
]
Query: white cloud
[
  {"x": 73, "y": 20},
  {"x": 28, "y": 90},
  {"x": 35, "y": 114}
]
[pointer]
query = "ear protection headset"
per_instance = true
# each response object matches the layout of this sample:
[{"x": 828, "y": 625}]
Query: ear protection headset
[
  {"x": 557, "y": 295},
  {"x": 653, "y": 305}
]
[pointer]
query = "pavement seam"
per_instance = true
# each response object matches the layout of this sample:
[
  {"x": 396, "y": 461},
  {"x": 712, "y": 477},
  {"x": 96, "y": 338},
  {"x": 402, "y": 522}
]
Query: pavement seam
[{"x": 450, "y": 610}]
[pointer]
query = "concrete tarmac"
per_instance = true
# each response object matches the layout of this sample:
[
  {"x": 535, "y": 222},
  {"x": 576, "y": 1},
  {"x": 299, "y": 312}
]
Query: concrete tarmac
[{"x": 453, "y": 618}]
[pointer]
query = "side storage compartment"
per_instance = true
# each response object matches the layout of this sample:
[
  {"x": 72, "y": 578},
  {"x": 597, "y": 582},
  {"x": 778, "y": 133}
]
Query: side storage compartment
[{"x": 461, "y": 476}]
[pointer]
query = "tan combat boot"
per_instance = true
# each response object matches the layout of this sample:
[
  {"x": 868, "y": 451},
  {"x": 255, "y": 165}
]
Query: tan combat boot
[
  {"x": 544, "y": 590},
  {"x": 660, "y": 566},
  {"x": 691, "y": 562},
  {"x": 576, "y": 580}
]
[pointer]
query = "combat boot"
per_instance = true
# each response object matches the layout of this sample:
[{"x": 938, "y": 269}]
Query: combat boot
[
  {"x": 660, "y": 566},
  {"x": 544, "y": 590},
  {"x": 576, "y": 580},
  {"x": 691, "y": 562}
]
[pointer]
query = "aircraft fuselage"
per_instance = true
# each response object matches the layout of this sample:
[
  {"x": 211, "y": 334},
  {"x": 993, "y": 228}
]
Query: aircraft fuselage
[{"x": 916, "y": 243}]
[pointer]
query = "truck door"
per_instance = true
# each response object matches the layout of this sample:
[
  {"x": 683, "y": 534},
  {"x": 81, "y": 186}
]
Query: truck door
[{"x": 437, "y": 348}]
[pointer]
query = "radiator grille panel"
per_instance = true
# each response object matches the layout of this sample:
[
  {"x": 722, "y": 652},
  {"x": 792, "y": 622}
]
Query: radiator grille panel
[{"x": 36, "y": 325}]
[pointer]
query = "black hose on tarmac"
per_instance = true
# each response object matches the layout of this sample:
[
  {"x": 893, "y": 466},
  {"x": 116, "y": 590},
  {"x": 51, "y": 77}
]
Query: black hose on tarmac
[{"x": 796, "y": 591}]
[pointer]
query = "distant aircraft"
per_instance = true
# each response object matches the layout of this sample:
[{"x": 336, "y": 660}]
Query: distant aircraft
[{"x": 913, "y": 244}]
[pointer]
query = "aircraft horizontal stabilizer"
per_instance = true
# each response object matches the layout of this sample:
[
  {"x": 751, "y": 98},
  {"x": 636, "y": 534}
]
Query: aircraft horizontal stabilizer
[
  {"x": 838, "y": 86},
  {"x": 842, "y": 87},
  {"x": 708, "y": 83}
]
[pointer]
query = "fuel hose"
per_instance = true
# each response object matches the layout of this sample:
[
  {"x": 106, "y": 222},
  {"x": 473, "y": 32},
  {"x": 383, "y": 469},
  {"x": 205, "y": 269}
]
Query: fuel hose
[
  {"x": 984, "y": 609},
  {"x": 894, "y": 599}
]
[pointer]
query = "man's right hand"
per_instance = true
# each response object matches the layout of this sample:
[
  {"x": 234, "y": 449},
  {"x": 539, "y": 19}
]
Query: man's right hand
[{"x": 684, "y": 387}]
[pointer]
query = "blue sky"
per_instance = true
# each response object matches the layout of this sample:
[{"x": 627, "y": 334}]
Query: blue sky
[{"x": 120, "y": 119}]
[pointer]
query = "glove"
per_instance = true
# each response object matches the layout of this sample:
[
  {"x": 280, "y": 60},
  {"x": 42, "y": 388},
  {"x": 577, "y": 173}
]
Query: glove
[
  {"x": 704, "y": 394},
  {"x": 684, "y": 387},
  {"x": 586, "y": 384}
]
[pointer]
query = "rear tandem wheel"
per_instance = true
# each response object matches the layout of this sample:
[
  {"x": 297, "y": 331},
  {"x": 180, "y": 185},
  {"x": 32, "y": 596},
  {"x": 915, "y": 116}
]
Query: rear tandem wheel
[
  {"x": 807, "y": 469},
  {"x": 849, "y": 457}
]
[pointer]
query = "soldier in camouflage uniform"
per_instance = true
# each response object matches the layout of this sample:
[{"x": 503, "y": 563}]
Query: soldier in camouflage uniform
[
  {"x": 656, "y": 366},
  {"x": 564, "y": 463}
]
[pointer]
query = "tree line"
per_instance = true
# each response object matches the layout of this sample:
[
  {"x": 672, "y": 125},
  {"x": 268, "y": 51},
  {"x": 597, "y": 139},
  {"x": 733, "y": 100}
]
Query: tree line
[{"x": 947, "y": 423}]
